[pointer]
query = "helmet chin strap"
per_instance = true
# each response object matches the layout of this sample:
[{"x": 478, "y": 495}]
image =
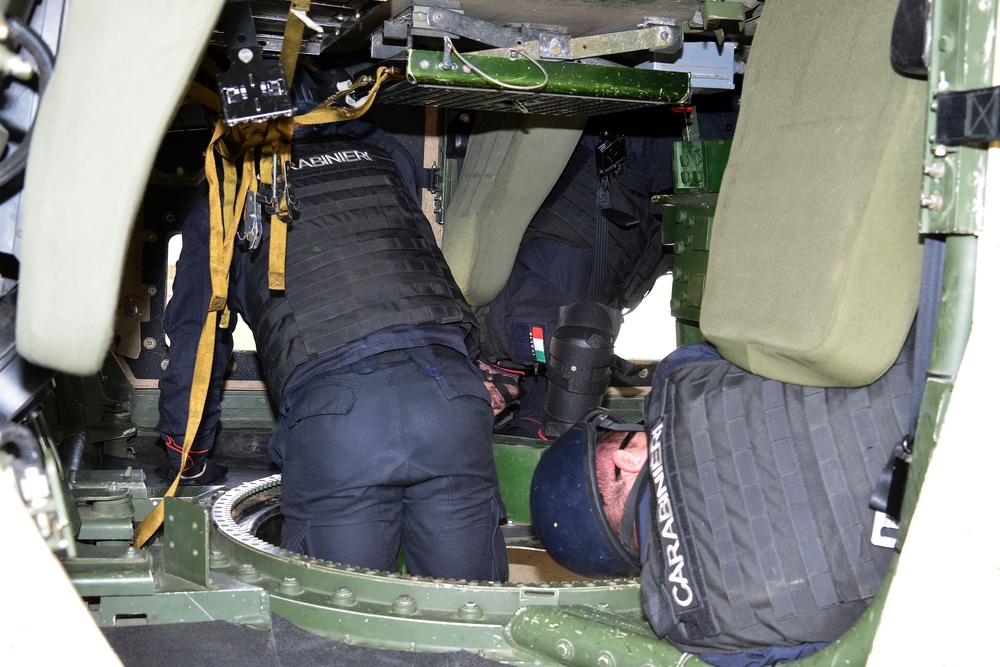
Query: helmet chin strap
[{"x": 629, "y": 516}]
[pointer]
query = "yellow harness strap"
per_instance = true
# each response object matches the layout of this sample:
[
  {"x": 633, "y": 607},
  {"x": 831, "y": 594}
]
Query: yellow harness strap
[
  {"x": 225, "y": 213},
  {"x": 203, "y": 94},
  {"x": 276, "y": 152},
  {"x": 291, "y": 43},
  {"x": 324, "y": 113}
]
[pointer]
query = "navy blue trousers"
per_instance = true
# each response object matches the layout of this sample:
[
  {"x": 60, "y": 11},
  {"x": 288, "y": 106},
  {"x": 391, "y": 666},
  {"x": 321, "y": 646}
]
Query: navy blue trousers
[
  {"x": 393, "y": 451},
  {"x": 183, "y": 321}
]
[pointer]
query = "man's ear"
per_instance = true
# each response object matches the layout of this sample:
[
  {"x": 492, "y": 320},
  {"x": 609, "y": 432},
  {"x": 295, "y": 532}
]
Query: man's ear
[{"x": 631, "y": 459}]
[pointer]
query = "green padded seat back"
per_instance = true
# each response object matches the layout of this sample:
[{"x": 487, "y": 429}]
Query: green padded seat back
[{"x": 814, "y": 269}]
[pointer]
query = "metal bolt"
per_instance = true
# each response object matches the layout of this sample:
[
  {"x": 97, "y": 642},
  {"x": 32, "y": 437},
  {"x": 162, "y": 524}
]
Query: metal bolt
[
  {"x": 291, "y": 586},
  {"x": 565, "y": 649},
  {"x": 149, "y": 343},
  {"x": 131, "y": 310},
  {"x": 555, "y": 49},
  {"x": 933, "y": 201},
  {"x": 437, "y": 17},
  {"x": 164, "y": 364},
  {"x": 404, "y": 605},
  {"x": 935, "y": 169},
  {"x": 470, "y": 611},
  {"x": 425, "y": 64},
  {"x": 606, "y": 659},
  {"x": 247, "y": 572},
  {"x": 344, "y": 597},
  {"x": 151, "y": 290},
  {"x": 217, "y": 559}
]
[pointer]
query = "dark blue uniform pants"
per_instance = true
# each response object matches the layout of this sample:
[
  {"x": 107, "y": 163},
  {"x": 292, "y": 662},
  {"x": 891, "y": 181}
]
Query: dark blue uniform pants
[
  {"x": 183, "y": 321},
  {"x": 392, "y": 452}
]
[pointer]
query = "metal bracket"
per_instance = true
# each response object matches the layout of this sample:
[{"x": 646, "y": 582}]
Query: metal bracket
[
  {"x": 884, "y": 531},
  {"x": 253, "y": 89},
  {"x": 664, "y": 38},
  {"x": 457, "y": 24}
]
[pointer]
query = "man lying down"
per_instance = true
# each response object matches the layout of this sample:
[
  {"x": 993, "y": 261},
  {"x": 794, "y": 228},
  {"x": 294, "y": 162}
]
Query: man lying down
[{"x": 743, "y": 501}]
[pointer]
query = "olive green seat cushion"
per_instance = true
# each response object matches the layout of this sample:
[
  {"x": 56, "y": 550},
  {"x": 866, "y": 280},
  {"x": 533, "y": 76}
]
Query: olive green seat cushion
[{"x": 814, "y": 269}]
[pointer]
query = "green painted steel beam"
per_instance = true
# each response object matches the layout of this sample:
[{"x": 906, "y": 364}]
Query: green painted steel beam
[
  {"x": 111, "y": 571},
  {"x": 960, "y": 59},
  {"x": 389, "y": 609},
  {"x": 588, "y": 637},
  {"x": 243, "y": 605},
  {"x": 559, "y": 78},
  {"x": 516, "y": 460},
  {"x": 715, "y": 12},
  {"x": 185, "y": 540}
]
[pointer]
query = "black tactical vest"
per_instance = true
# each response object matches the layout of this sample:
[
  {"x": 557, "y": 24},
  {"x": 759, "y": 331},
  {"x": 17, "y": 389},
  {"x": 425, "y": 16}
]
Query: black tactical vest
[
  {"x": 635, "y": 257},
  {"x": 360, "y": 257},
  {"x": 759, "y": 520}
]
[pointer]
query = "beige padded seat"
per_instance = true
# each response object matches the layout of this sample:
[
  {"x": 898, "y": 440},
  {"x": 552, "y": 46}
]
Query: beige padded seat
[{"x": 511, "y": 163}]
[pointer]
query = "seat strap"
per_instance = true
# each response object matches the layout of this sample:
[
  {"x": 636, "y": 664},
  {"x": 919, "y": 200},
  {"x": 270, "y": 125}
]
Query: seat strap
[{"x": 887, "y": 497}]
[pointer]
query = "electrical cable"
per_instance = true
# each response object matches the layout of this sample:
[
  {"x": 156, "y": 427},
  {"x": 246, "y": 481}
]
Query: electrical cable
[
  {"x": 512, "y": 53},
  {"x": 23, "y": 36}
]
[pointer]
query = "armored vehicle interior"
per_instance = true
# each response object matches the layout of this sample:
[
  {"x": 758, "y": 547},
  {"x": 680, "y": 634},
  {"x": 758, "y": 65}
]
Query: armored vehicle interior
[{"x": 799, "y": 247}]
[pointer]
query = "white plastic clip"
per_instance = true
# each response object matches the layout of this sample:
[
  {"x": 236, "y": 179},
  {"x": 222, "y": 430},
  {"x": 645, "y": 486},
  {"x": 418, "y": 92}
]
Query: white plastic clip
[{"x": 302, "y": 16}]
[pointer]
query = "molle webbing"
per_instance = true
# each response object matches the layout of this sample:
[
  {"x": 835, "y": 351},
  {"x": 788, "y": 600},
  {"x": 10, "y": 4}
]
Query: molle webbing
[
  {"x": 361, "y": 257},
  {"x": 774, "y": 480},
  {"x": 635, "y": 256}
]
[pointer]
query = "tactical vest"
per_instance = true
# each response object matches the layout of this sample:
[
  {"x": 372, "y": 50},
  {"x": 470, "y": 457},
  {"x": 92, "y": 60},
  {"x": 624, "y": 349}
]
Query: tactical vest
[
  {"x": 635, "y": 256},
  {"x": 360, "y": 257},
  {"x": 759, "y": 525}
]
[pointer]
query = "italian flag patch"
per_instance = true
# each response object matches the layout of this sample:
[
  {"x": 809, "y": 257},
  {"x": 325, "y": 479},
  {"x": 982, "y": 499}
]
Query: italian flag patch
[{"x": 538, "y": 344}]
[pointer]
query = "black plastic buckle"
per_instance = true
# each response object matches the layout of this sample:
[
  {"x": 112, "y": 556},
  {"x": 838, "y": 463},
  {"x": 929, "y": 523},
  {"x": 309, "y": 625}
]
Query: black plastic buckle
[{"x": 610, "y": 153}]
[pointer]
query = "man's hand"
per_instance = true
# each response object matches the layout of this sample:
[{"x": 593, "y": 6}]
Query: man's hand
[{"x": 504, "y": 385}]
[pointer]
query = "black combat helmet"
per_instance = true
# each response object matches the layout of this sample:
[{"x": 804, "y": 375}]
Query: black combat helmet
[{"x": 566, "y": 507}]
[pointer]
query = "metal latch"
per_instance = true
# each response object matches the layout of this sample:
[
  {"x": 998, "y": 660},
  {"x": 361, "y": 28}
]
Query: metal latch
[{"x": 253, "y": 89}]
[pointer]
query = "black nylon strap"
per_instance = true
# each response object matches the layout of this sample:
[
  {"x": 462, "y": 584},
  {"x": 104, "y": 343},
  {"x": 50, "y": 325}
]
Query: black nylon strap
[
  {"x": 887, "y": 496},
  {"x": 629, "y": 515},
  {"x": 595, "y": 291},
  {"x": 968, "y": 116}
]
